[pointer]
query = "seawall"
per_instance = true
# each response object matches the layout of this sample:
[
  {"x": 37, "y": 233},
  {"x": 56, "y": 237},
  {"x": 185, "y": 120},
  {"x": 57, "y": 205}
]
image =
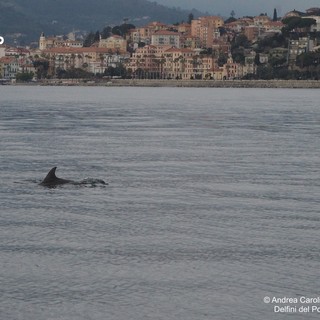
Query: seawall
[
  {"x": 315, "y": 84},
  {"x": 290, "y": 84}
]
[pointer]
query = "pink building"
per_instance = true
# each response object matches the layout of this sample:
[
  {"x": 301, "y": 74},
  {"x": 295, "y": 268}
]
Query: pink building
[{"x": 206, "y": 29}]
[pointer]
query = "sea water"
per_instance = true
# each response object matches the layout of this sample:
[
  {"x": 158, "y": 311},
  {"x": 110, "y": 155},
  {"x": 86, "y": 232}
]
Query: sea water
[{"x": 211, "y": 209}]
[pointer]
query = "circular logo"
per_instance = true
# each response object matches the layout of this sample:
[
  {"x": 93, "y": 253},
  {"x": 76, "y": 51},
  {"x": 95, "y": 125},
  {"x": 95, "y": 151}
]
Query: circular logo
[
  {"x": 266, "y": 299},
  {"x": 1, "y": 40}
]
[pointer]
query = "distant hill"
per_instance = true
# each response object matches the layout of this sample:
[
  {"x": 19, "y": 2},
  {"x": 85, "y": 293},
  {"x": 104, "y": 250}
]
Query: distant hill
[{"x": 31, "y": 17}]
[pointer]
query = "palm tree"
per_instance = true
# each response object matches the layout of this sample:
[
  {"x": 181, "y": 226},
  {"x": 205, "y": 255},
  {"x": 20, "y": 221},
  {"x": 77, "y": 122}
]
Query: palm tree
[
  {"x": 101, "y": 58},
  {"x": 79, "y": 57},
  {"x": 52, "y": 65},
  {"x": 60, "y": 61},
  {"x": 182, "y": 61},
  {"x": 73, "y": 58},
  {"x": 160, "y": 63},
  {"x": 67, "y": 62}
]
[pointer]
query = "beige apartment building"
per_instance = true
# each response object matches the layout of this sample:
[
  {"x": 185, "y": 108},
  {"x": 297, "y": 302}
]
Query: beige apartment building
[
  {"x": 178, "y": 63},
  {"x": 206, "y": 29},
  {"x": 187, "y": 64},
  {"x": 115, "y": 44},
  {"x": 146, "y": 59},
  {"x": 144, "y": 34},
  {"x": 56, "y": 42},
  {"x": 92, "y": 59},
  {"x": 166, "y": 38},
  {"x": 261, "y": 20}
]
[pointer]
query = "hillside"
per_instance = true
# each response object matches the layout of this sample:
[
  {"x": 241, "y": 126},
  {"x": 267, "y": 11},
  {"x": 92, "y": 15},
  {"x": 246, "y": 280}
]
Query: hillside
[{"x": 60, "y": 16}]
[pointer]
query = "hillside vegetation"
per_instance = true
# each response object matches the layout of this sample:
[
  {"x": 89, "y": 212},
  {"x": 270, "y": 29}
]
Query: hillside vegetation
[{"x": 60, "y": 16}]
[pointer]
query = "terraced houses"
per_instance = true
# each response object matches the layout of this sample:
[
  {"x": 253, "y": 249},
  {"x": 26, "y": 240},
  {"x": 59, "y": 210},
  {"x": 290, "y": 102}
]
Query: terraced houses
[{"x": 197, "y": 50}]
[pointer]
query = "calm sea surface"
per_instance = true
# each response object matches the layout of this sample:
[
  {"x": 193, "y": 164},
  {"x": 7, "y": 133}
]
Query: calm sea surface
[{"x": 212, "y": 203}]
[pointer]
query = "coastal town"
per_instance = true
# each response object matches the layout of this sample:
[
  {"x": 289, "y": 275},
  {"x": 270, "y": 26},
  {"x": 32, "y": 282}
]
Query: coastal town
[{"x": 206, "y": 48}]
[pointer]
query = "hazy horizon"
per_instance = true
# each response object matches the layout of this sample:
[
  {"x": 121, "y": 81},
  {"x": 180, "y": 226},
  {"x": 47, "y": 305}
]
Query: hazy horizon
[{"x": 242, "y": 7}]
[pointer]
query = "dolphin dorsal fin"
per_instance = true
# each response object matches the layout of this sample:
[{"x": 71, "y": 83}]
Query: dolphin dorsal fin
[{"x": 51, "y": 175}]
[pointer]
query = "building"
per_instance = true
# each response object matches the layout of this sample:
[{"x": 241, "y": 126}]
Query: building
[
  {"x": 189, "y": 42},
  {"x": 261, "y": 20},
  {"x": 249, "y": 66},
  {"x": 149, "y": 60},
  {"x": 231, "y": 70},
  {"x": 9, "y": 67},
  {"x": 239, "y": 24},
  {"x": 315, "y": 27},
  {"x": 293, "y": 13},
  {"x": 313, "y": 11},
  {"x": 115, "y": 44},
  {"x": 171, "y": 63},
  {"x": 144, "y": 34},
  {"x": 252, "y": 32},
  {"x": 156, "y": 26},
  {"x": 263, "y": 58},
  {"x": 274, "y": 26},
  {"x": 166, "y": 38},
  {"x": 178, "y": 63},
  {"x": 206, "y": 29},
  {"x": 220, "y": 46},
  {"x": 3, "y": 49},
  {"x": 57, "y": 42},
  {"x": 139, "y": 35},
  {"x": 184, "y": 28},
  {"x": 17, "y": 51},
  {"x": 91, "y": 59},
  {"x": 297, "y": 47}
]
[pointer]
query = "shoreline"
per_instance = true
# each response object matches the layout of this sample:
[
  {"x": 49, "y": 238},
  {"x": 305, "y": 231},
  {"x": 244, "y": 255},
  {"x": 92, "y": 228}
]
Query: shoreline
[
  {"x": 281, "y": 84},
  {"x": 308, "y": 84}
]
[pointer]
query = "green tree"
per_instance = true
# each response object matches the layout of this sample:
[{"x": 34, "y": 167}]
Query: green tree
[
  {"x": 238, "y": 55},
  {"x": 123, "y": 29},
  {"x": 265, "y": 72},
  {"x": 257, "y": 59},
  {"x": 106, "y": 32},
  {"x": 241, "y": 41},
  {"x": 89, "y": 40},
  {"x": 24, "y": 76},
  {"x": 275, "y": 15},
  {"x": 277, "y": 62},
  {"x": 266, "y": 43},
  {"x": 73, "y": 73},
  {"x": 97, "y": 36},
  {"x": 119, "y": 71},
  {"x": 222, "y": 59},
  {"x": 297, "y": 23},
  {"x": 229, "y": 20},
  {"x": 42, "y": 67},
  {"x": 190, "y": 18},
  {"x": 308, "y": 59}
]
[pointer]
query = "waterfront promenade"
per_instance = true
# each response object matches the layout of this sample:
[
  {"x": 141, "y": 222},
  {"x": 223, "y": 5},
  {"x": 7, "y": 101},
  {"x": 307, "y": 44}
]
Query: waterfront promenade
[
  {"x": 294, "y": 84},
  {"x": 218, "y": 83}
]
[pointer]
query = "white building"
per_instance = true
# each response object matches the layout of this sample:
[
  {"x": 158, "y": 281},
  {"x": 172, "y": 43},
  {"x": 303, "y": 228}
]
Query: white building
[
  {"x": 10, "y": 67},
  {"x": 166, "y": 38},
  {"x": 314, "y": 27}
]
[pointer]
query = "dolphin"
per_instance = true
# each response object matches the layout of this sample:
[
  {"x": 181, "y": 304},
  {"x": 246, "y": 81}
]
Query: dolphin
[{"x": 51, "y": 180}]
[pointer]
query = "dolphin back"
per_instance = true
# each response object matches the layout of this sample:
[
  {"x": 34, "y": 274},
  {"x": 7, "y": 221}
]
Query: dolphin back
[{"x": 51, "y": 179}]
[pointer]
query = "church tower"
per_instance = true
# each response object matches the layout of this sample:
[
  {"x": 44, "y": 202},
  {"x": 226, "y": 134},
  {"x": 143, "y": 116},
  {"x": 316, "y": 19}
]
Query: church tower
[{"x": 42, "y": 42}]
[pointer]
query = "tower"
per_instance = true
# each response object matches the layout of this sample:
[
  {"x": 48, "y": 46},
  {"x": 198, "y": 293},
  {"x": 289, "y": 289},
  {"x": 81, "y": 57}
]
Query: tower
[{"x": 42, "y": 42}]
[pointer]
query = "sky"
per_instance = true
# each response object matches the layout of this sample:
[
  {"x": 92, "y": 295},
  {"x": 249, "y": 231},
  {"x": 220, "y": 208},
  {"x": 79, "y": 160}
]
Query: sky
[{"x": 242, "y": 7}]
